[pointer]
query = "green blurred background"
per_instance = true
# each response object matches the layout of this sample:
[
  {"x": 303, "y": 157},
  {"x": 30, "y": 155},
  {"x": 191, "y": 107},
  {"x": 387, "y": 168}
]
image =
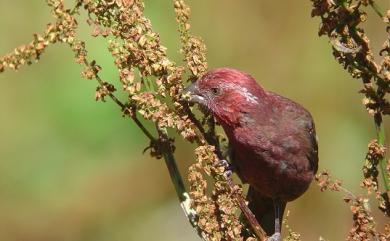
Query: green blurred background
[{"x": 72, "y": 169}]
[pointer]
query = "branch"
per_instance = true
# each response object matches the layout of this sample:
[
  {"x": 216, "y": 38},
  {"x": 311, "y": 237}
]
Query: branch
[
  {"x": 257, "y": 229},
  {"x": 380, "y": 131},
  {"x": 164, "y": 147},
  {"x": 377, "y": 9},
  {"x": 177, "y": 180}
]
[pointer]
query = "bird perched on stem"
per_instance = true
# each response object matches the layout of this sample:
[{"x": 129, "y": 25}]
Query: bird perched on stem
[{"x": 273, "y": 140}]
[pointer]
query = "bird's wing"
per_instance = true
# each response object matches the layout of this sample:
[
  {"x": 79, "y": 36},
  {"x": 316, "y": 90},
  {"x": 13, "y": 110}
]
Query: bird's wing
[
  {"x": 297, "y": 130},
  {"x": 313, "y": 151}
]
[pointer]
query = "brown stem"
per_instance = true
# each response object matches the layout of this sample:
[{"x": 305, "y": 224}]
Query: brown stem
[
  {"x": 257, "y": 229},
  {"x": 377, "y": 9},
  {"x": 142, "y": 127},
  {"x": 177, "y": 180}
]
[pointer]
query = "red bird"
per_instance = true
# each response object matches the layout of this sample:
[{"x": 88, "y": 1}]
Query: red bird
[{"x": 273, "y": 140}]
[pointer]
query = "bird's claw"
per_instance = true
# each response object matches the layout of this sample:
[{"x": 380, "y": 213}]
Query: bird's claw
[
  {"x": 274, "y": 237},
  {"x": 223, "y": 163},
  {"x": 227, "y": 167}
]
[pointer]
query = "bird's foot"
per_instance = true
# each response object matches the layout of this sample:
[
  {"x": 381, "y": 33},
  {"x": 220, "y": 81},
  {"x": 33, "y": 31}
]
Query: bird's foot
[
  {"x": 275, "y": 237},
  {"x": 228, "y": 169}
]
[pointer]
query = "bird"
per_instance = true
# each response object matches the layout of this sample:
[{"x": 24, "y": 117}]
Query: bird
[{"x": 272, "y": 140}]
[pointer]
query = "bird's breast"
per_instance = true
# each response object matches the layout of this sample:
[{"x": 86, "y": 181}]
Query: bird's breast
[{"x": 273, "y": 164}]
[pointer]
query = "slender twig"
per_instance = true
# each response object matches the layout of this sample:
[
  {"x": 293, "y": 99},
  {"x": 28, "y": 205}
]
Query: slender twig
[
  {"x": 76, "y": 7},
  {"x": 181, "y": 192},
  {"x": 257, "y": 229},
  {"x": 380, "y": 130},
  {"x": 377, "y": 9},
  {"x": 348, "y": 192},
  {"x": 366, "y": 206},
  {"x": 167, "y": 153},
  {"x": 122, "y": 105},
  {"x": 142, "y": 127},
  {"x": 177, "y": 180},
  {"x": 166, "y": 150}
]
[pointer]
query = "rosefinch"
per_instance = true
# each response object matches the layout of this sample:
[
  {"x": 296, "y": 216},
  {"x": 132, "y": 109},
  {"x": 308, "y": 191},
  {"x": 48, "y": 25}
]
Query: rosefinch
[{"x": 273, "y": 140}]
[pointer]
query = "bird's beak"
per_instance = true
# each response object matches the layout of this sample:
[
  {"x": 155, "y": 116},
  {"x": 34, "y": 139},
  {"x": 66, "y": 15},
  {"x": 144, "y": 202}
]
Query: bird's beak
[{"x": 192, "y": 94}]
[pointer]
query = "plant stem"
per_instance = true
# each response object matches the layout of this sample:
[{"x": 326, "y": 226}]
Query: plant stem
[
  {"x": 122, "y": 105},
  {"x": 174, "y": 173},
  {"x": 377, "y": 9},
  {"x": 142, "y": 127},
  {"x": 180, "y": 189},
  {"x": 257, "y": 229},
  {"x": 380, "y": 130},
  {"x": 175, "y": 176},
  {"x": 181, "y": 192},
  {"x": 177, "y": 181}
]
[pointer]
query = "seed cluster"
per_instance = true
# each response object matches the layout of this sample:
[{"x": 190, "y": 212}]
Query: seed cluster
[
  {"x": 152, "y": 84},
  {"x": 218, "y": 213},
  {"x": 341, "y": 22},
  {"x": 363, "y": 226}
]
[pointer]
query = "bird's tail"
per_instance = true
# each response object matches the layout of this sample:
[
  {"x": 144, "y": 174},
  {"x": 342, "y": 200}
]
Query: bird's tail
[{"x": 263, "y": 208}]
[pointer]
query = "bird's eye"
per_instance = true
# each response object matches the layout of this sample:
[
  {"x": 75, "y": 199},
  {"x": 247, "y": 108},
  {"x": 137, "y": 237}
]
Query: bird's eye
[{"x": 215, "y": 91}]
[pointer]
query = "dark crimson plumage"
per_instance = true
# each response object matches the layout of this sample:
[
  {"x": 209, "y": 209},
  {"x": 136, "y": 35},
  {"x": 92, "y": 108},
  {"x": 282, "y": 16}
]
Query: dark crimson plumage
[{"x": 272, "y": 138}]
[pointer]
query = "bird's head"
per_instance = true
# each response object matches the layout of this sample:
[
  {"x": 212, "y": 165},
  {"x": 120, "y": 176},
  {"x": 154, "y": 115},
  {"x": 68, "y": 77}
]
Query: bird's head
[{"x": 226, "y": 93}]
